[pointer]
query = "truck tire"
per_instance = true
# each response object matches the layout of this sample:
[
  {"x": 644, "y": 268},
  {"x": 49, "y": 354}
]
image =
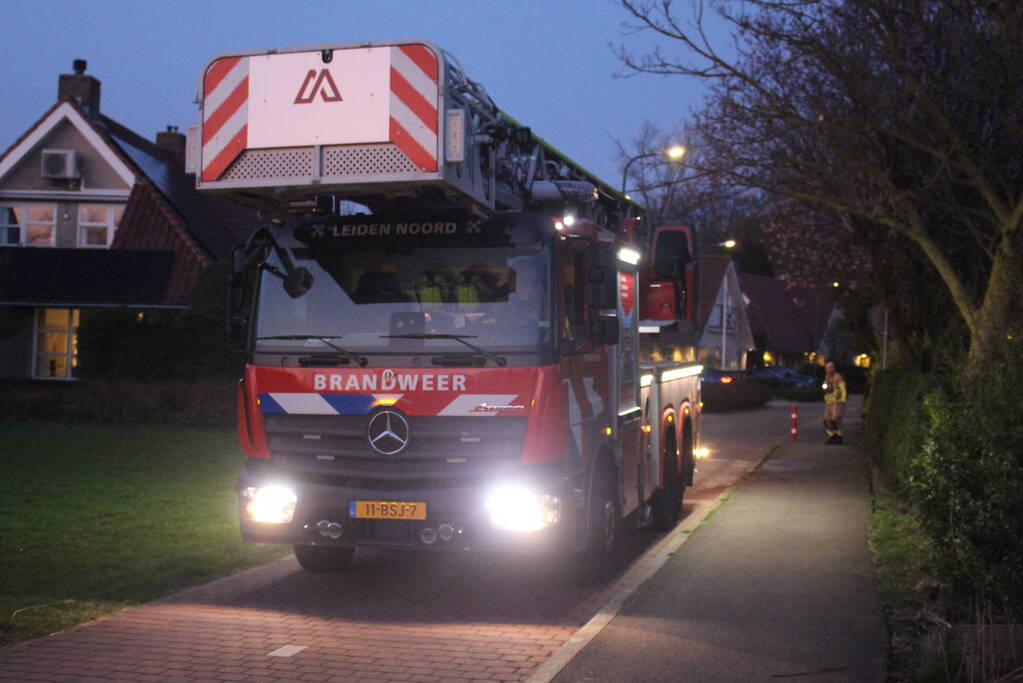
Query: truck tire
[
  {"x": 320, "y": 559},
  {"x": 667, "y": 501},
  {"x": 593, "y": 562}
]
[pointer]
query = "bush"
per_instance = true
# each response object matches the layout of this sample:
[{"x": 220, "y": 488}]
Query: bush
[
  {"x": 895, "y": 422},
  {"x": 738, "y": 395},
  {"x": 967, "y": 481},
  {"x": 194, "y": 404},
  {"x": 161, "y": 345}
]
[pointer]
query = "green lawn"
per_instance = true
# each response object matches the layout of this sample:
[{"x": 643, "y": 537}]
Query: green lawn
[{"x": 94, "y": 518}]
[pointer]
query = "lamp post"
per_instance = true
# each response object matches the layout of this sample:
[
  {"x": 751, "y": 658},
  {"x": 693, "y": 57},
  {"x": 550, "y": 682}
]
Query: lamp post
[
  {"x": 674, "y": 154},
  {"x": 727, "y": 244}
]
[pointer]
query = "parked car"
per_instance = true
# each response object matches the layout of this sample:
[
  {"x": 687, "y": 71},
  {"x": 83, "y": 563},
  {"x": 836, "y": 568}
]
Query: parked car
[
  {"x": 779, "y": 376},
  {"x": 717, "y": 376}
]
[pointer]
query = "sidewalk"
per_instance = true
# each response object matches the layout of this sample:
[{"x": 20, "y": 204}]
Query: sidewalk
[{"x": 778, "y": 583}]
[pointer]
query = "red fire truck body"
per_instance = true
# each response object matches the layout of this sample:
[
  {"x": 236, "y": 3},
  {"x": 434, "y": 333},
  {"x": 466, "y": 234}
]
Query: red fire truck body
[{"x": 459, "y": 365}]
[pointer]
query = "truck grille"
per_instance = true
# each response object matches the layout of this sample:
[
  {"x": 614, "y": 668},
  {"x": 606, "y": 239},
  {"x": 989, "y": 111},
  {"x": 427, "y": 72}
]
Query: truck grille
[{"x": 442, "y": 451}]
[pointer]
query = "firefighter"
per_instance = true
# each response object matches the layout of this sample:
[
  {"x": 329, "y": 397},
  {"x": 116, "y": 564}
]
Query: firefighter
[
  {"x": 834, "y": 403},
  {"x": 434, "y": 287}
]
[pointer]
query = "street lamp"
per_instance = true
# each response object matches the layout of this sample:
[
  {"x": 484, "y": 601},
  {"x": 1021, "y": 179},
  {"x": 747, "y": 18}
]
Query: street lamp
[
  {"x": 674, "y": 154},
  {"x": 727, "y": 244}
]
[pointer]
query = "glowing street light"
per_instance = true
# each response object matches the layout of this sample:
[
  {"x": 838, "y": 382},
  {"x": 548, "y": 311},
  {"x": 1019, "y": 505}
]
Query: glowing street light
[{"x": 674, "y": 154}]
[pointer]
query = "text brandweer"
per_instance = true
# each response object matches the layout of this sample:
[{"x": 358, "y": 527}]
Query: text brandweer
[{"x": 388, "y": 382}]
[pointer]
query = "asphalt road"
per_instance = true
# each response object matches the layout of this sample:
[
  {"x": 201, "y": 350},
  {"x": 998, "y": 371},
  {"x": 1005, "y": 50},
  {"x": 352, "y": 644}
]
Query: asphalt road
[{"x": 394, "y": 616}]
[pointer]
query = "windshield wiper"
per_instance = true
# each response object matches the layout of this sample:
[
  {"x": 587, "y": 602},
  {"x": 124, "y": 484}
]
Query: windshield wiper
[
  {"x": 460, "y": 338},
  {"x": 361, "y": 360}
]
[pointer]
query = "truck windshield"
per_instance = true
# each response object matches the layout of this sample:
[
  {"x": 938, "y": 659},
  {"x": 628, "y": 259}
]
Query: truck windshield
[{"x": 381, "y": 294}]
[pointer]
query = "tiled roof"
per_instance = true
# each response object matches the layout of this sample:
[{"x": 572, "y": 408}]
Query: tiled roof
[
  {"x": 774, "y": 318},
  {"x": 150, "y": 224},
  {"x": 815, "y": 306},
  {"x": 163, "y": 170}
]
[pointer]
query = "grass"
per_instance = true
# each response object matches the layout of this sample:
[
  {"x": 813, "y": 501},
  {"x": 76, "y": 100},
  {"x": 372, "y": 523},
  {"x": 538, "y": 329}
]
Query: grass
[
  {"x": 901, "y": 555},
  {"x": 96, "y": 518}
]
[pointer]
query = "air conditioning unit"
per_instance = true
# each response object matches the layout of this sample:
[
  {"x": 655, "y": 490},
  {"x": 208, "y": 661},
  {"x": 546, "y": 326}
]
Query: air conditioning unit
[{"x": 60, "y": 164}]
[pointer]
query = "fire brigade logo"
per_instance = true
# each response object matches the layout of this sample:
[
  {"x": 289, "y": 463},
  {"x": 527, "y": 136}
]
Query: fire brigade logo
[
  {"x": 321, "y": 83},
  {"x": 388, "y": 432}
]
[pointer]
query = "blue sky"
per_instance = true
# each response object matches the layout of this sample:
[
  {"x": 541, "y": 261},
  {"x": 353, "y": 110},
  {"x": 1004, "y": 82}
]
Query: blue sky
[{"x": 547, "y": 63}]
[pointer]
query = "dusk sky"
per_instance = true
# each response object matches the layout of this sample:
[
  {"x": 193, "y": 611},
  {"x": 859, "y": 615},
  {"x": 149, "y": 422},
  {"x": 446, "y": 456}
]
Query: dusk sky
[{"x": 547, "y": 63}]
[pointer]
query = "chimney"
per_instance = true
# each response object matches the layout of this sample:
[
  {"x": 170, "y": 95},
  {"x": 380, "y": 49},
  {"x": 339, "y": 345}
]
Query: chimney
[
  {"x": 79, "y": 87},
  {"x": 173, "y": 142}
]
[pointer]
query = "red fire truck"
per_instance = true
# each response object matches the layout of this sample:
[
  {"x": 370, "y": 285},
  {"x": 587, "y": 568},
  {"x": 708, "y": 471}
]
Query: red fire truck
[{"x": 441, "y": 317}]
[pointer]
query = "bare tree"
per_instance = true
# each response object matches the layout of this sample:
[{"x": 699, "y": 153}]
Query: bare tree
[{"x": 902, "y": 115}]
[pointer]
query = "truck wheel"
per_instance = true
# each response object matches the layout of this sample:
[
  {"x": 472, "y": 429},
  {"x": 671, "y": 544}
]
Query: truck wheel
[
  {"x": 667, "y": 501},
  {"x": 591, "y": 564},
  {"x": 323, "y": 559}
]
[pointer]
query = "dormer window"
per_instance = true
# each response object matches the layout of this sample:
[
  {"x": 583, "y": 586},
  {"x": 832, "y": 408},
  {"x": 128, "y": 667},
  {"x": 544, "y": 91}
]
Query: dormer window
[
  {"x": 29, "y": 224},
  {"x": 97, "y": 224}
]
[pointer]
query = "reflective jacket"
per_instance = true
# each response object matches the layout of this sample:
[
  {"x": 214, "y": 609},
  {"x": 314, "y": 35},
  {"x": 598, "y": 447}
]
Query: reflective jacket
[{"x": 834, "y": 389}]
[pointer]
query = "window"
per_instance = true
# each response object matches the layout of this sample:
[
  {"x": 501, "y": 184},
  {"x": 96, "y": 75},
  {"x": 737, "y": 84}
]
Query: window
[
  {"x": 97, "y": 224},
  {"x": 56, "y": 352},
  {"x": 30, "y": 225}
]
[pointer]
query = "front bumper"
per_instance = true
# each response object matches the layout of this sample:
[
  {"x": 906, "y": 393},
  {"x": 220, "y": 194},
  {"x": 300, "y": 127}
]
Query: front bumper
[{"x": 460, "y": 513}]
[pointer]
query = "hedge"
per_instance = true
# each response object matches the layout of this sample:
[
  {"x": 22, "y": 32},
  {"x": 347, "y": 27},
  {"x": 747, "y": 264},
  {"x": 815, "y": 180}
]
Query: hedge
[
  {"x": 895, "y": 422},
  {"x": 954, "y": 448}
]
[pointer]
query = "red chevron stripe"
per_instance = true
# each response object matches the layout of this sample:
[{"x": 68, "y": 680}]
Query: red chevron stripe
[
  {"x": 217, "y": 119},
  {"x": 215, "y": 74},
  {"x": 419, "y": 105},
  {"x": 423, "y": 57},
  {"x": 412, "y": 149},
  {"x": 219, "y": 164}
]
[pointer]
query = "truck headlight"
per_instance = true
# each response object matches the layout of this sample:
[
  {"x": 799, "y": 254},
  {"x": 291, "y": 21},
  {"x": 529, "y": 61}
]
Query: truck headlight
[
  {"x": 269, "y": 504},
  {"x": 517, "y": 508}
]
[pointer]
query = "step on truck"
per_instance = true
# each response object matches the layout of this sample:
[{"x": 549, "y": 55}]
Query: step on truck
[{"x": 441, "y": 317}]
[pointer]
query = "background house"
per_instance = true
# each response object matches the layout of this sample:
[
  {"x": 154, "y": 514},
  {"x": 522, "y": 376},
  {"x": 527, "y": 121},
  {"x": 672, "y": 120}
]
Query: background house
[{"x": 93, "y": 215}]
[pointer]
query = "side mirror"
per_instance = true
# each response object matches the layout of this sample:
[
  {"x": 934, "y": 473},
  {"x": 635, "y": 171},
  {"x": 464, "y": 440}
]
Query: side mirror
[
  {"x": 604, "y": 330},
  {"x": 603, "y": 276},
  {"x": 236, "y": 280},
  {"x": 297, "y": 282},
  {"x": 238, "y": 333}
]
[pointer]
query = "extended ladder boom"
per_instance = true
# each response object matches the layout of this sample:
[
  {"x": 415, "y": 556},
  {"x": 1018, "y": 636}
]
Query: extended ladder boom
[{"x": 372, "y": 122}]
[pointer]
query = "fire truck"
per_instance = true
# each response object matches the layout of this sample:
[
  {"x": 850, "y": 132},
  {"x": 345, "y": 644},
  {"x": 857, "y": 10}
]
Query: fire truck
[{"x": 441, "y": 317}]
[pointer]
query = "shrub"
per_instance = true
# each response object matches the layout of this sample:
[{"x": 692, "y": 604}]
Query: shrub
[
  {"x": 161, "y": 345},
  {"x": 194, "y": 404},
  {"x": 895, "y": 421},
  {"x": 967, "y": 481}
]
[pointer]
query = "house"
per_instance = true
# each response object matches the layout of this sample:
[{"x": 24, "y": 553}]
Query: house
[
  {"x": 726, "y": 336},
  {"x": 792, "y": 325},
  {"x": 93, "y": 215},
  {"x": 822, "y": 319}
]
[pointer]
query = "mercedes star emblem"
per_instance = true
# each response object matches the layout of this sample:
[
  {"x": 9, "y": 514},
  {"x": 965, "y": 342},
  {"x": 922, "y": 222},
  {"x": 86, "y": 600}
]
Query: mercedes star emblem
[{"x": 388, "y": 432}]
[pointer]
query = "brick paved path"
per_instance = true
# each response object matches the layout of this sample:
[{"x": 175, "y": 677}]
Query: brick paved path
[{"x": 393, "y": 616}]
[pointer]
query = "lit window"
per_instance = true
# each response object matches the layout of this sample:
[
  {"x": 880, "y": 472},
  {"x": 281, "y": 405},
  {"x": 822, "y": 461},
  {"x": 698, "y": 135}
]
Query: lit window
[
  {"x": 30, "y": 225},
  {"x": 97, "y": 224},
  {"x": 56, "y": 353}
]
